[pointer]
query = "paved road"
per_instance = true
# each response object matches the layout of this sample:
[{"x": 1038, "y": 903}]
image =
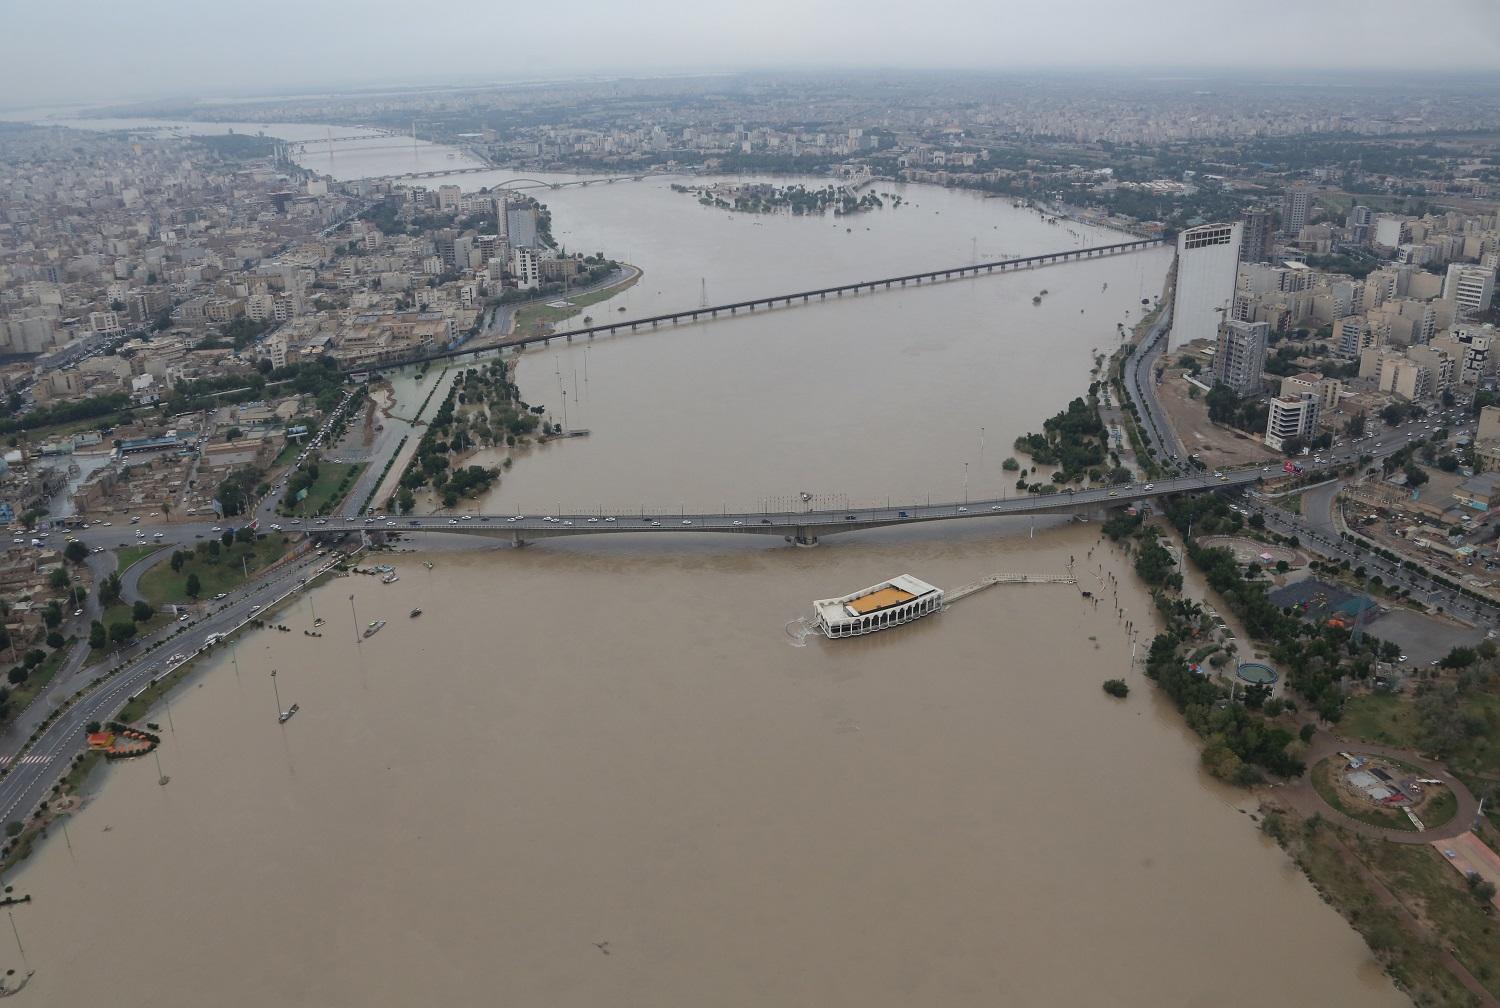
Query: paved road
[
  {"x": 1317, "y": 506},
  {"x": 1317, "y": 532},
  {"x": 812, "y": 523},
  {"x": 1399, "y": 573},
  {"x": 1302, "y": 796},
  {"x": 1140, "y": 384},
  {"x": 29, "y": 781},
  {"x": 103, "y": 539}
]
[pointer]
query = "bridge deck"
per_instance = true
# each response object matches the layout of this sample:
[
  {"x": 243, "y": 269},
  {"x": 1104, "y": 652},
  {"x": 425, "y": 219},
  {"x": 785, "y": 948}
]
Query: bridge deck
[{"x": 802, "y": 526}]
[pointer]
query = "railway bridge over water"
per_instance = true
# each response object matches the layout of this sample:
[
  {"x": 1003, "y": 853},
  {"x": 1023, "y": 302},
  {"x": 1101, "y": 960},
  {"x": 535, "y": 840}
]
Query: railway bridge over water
[{"x": 702, "y": 313}]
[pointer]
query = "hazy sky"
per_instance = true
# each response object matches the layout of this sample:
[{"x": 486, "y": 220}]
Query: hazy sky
[{"x": 97, "y": 50}]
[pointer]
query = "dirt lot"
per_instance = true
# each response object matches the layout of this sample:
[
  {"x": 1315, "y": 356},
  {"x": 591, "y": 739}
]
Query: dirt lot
[{"x": 1216, "y": 446}]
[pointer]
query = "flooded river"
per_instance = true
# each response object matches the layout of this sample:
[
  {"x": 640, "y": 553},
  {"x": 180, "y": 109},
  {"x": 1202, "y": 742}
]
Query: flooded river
[
  {"x": 613, "y": 743},
  {"x": 598, "y": 771}
]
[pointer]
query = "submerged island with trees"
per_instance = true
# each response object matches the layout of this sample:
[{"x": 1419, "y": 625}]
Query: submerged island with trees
[{"x": 798, "y": 200}]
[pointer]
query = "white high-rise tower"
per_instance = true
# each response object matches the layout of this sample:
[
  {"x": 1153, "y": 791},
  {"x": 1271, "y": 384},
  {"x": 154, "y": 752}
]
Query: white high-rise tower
[{"x": 1207, "y": 258}]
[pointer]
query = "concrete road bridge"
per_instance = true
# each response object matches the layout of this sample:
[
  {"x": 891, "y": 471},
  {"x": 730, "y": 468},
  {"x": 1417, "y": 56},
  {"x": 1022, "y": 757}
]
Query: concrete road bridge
[{"x": 804, "y": 528}]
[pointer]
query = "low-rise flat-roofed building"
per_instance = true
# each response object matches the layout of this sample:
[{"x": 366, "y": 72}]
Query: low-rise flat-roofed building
[
  {"x": 1489, "y": 424},
  {"x": 1291, "y": 415},
  {"x": 1480, "y": 492},
  {"x": 1325, "y": 390}
]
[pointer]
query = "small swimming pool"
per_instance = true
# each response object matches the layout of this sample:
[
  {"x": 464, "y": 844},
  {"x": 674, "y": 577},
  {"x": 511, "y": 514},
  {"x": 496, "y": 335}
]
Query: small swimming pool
[{"x": 1255, "y": 672}]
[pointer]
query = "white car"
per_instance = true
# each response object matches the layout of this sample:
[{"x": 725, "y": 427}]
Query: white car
[
  {"x": 452, "y": 521},
  {"x": 466, "y": 518},
  {"x": 592, "y": 520},
  {"x": 214, "y": 529},
  {"x": 609, "y": 519},
  {"x": 655, "y": 523},
  {"x": 994, "y": 507},
  {"x": 963, "y": 509},
  {"x": 684, "y": 521},
  {"x": 513, "y": 519},
  {"x": 738, "y": 522}
]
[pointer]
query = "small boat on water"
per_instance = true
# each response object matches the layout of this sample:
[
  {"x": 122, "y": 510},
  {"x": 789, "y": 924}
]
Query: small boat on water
[
  {"x": 389, "y": 579},
  {"x": 415, "y": 613},
  {"x": 286, "y": 715},
  {"x": 374, "y": 627}
]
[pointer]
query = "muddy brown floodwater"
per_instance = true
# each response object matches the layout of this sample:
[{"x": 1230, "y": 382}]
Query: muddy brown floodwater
[
  {"x": 616, "y": 744},
  {"x": 596, "y": 772}
]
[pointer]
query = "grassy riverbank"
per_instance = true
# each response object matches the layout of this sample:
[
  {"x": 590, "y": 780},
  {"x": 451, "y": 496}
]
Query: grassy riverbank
[
  {"x": 1403, "y": 901},
  {"x": 162, "y": 585},
  {"x": 529, "y": 318}
]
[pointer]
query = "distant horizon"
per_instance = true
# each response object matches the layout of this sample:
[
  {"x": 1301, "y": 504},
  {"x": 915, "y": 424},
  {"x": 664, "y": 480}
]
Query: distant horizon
[
  {"x": 93, "y": 52},
  {"x": 1243, "y": 75}
]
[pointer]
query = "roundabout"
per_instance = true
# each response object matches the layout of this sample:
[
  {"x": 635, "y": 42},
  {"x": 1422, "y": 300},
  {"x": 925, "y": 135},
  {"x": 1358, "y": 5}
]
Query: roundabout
[{"x": 1384, "y": 791}]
